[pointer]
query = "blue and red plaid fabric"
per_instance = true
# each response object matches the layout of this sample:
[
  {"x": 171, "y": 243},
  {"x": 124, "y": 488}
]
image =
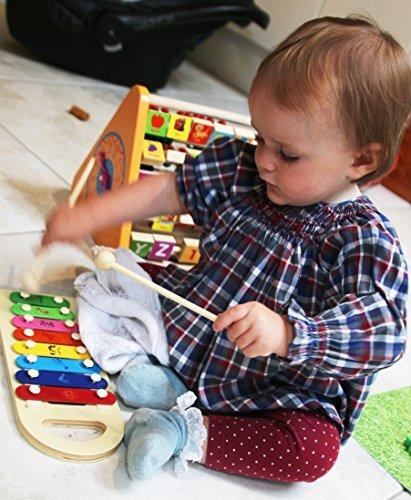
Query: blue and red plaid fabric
[{"x": 337, "y": 271}]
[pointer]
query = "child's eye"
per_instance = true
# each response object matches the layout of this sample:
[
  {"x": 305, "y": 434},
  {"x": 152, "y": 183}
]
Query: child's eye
[{"x": 288, "y": 158}]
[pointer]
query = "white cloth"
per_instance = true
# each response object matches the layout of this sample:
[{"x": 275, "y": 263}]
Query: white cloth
[{"x": 120, "y": 320}]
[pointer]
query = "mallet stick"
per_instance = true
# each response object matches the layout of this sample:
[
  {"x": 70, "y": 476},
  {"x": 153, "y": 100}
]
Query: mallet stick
[{"x": 106, "y": 260}]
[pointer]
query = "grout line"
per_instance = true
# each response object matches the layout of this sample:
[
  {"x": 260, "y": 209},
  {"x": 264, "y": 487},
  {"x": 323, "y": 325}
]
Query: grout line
[
  {"x": 34, "y": 231},
  {"x": 34, "y": 154}
]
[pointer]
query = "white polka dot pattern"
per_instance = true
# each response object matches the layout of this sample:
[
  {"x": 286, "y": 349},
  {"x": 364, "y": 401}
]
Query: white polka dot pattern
[{"x": 284, "y": 445}]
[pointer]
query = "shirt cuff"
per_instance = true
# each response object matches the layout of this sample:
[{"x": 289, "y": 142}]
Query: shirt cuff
[{"x": 309, "y": 336}]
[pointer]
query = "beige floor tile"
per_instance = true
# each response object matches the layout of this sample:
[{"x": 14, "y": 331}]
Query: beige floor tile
[
  {"x": 36, "y": 114},
  {"x": 29, "y": 190}
]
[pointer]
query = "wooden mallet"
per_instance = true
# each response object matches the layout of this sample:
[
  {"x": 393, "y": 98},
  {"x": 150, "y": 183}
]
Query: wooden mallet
[{"x": 105, "y": 260}]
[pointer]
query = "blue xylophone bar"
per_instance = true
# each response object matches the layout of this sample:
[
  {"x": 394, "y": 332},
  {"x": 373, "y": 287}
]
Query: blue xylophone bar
[
  {"x": 61, "y": 379},
  {"x": 57, "y": 364}
]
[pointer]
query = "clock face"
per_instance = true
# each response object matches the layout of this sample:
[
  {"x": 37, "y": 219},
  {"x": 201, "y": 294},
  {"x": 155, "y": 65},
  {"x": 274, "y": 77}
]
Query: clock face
[{"x": 110, "y": 170}]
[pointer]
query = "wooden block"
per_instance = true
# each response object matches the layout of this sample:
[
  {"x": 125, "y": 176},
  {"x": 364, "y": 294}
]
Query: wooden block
[
  {"x": 200, "y": 133},
  {"x": 179, "y": 127},
  {"x": 157, "y": 123},
  {"x": 141, "y": 243},
  {"x": 163, "y": 247},
  {"x": 190, "y": 253},
  {"x": 177, "y": 157},
  {"x": 221, "y": 130},
  {"x": 194, "y": 152},
  {"x": 191, "y": 150},
  {"x": 79, "y": 113},
  {"x": 245, "y": 133},
  {"x": 186, "y": 219},
  {"x": 153, "y": 152},
  {"x": 164, "y": 223}
]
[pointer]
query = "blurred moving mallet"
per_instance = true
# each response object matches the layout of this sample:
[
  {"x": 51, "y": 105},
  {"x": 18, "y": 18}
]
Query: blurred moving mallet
[
  {"x": 106, "y": 260},
  {"x": 32, "y": 278}
]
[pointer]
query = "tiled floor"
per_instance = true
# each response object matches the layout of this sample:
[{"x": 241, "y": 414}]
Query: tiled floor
[{"x": 41, "y": 148}]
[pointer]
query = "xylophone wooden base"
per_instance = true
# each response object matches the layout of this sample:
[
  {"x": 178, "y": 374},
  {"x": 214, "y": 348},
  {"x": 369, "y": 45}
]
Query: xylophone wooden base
[{"x": 35, "y": 418}]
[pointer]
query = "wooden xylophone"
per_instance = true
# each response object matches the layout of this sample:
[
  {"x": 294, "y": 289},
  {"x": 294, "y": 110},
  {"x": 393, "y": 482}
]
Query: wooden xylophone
[{"x": 53, "y": 380}]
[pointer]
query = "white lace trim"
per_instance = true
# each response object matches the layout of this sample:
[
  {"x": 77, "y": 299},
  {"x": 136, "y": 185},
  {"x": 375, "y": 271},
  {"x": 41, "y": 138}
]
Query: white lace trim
[{"x": 193, "y": 449}]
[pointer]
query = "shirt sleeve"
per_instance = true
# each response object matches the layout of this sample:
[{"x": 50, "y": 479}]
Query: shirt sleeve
[
  {"x": 223, "y": 169},
  {"x": 363, "y": 326}
]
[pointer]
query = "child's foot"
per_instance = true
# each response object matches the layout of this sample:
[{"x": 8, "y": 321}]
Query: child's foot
[
  {"x": 152, "y": 437},
  {"x": 150, "y": 386}
]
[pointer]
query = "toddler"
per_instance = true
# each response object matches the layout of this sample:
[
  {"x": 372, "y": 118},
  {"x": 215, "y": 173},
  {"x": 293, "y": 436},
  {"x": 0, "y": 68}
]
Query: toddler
[{"x": 306, "y": 276}]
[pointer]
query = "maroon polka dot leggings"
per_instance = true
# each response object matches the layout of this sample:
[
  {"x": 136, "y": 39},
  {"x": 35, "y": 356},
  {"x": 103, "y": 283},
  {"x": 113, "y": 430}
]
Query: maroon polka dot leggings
[{"x": 283, "y": 445}]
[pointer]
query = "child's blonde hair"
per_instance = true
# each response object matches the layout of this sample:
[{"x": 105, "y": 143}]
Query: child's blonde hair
[{"x": 352, "y": 60}]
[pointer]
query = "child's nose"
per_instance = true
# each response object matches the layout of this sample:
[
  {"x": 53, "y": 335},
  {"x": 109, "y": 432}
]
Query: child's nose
[
  {"x": 265, "y": 162},
  {"x": 270, "y": 166}
]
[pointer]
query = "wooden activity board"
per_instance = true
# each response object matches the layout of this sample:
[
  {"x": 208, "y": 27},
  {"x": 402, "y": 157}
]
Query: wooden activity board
[
  {"x": 52, "y": 379},
  {"x": 147, "y": 135}
]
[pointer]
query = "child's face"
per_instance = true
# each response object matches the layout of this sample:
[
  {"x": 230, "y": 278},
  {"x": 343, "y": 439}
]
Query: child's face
[{"x": 303, "y": 159}]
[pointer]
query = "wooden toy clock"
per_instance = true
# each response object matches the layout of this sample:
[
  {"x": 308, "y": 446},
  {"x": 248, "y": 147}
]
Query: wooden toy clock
[
  {"x": 118, "y": 152},
  {"x": 110, "y": 170}
]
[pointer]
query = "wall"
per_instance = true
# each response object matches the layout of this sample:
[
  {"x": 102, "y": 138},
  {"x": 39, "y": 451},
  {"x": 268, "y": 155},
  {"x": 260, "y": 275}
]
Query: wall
[{"x": 233, "y": 54}]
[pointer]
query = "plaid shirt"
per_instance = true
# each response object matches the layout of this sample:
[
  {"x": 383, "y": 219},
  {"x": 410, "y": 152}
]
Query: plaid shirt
[{"x": 336, "y": 271}]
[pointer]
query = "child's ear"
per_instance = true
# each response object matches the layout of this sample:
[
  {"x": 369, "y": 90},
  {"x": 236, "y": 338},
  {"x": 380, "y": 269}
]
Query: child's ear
[{"x": 366, "y": 160}]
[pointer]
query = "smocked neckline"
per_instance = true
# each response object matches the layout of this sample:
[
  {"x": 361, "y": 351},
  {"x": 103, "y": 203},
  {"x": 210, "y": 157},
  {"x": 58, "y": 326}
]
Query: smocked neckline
[{"x": 310, "y": 220}]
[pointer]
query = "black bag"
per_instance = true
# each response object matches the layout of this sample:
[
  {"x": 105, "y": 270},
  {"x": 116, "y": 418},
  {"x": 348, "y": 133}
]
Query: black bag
[{"x": 119, "y": 41}]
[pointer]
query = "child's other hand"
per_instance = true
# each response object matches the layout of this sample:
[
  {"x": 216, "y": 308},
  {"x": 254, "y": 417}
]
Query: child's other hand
[
  {"x": 64, "y": 224},
  {"x": 255, "y": 329}
]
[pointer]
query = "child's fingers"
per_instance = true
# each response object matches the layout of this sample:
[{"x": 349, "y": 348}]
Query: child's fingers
[
  {"x": 226, "y": 318},
  {"x": 245, "y": 340},
  {"x": 239, "y": 328},
  {"x": 252, "y": 350}
]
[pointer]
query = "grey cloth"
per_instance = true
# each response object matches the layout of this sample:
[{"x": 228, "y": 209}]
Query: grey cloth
[{"x": 120, "y": 320}]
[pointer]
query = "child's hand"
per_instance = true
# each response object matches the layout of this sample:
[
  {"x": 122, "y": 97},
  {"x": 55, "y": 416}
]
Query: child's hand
[
  {"x": 64, "y": 224},
  {"x": 255, "y": 329}
]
